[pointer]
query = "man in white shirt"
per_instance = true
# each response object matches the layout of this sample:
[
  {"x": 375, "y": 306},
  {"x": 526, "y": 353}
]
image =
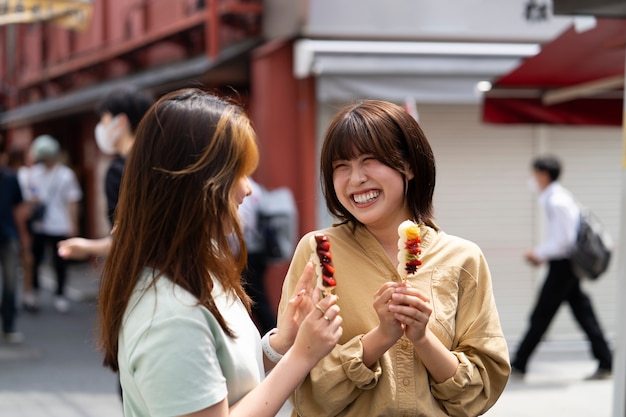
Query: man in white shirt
[{"x": 561, "y": 283}]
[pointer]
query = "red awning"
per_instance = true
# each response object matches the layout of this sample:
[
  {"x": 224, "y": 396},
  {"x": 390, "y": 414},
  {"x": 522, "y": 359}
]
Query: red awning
[{"x": 578, "y": 78}]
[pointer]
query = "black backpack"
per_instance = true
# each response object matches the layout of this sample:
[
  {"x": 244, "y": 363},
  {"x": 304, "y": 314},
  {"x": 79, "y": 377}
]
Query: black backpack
[{"x": 592, "y": 252}]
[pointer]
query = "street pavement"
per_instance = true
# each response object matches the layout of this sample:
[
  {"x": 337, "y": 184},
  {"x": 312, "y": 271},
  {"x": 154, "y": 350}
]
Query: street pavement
[{"x": 57, "y": 370}]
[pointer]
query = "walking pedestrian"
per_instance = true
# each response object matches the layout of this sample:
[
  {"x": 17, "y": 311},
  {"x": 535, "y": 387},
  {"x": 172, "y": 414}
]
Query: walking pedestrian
[
  {"x": 14, "y": 239},
  {"x": 18, "y": 162},
  {"x": 561, "y": 283},
  {"x": 57, "y": 190}
]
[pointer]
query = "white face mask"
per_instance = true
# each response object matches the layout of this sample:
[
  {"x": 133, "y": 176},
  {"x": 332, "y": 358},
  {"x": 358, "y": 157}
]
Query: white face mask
[
  {"x": 533, "y": 186},
  {"x": 108, "y": 135}
]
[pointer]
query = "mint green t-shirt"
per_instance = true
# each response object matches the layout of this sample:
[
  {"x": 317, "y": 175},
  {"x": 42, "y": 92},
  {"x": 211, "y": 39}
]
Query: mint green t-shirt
[{"x": 175, "y": 359}]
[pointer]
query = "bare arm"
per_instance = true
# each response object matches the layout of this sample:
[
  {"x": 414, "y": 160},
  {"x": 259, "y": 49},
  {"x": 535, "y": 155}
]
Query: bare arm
[
  {"x": 81, "y": 248},
  {"x": 318, "y": 334}
]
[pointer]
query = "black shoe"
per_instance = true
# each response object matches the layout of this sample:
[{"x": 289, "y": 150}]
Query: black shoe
[
  {"x": 517, "y": 372},
  {"x": 13, "y": 338},
  {"x": 600, "y": 374}
]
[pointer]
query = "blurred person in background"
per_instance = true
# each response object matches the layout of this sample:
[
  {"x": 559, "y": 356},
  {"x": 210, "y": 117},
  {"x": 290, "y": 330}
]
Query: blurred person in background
[
  {"x": 14, "y": 239},
  {"x": 256, "y": 265},
  {"x": 561, "y": 284},
  {"x": 17, "y": 161},
  {"x": 120, "y": 112},
  {"x": 55, "y": 186}
]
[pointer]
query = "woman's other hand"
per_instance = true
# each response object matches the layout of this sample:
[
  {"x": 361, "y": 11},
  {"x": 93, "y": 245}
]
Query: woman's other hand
[
  {"x": 389, "y": 328},
  {"x": 320, "y": 330},
  {"x": 298, "y": 307},
  {"x": 412, "y": 308}
]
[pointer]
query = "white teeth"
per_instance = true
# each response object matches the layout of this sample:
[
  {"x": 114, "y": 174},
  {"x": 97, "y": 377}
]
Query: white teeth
[{"x": 365, "y": 198}]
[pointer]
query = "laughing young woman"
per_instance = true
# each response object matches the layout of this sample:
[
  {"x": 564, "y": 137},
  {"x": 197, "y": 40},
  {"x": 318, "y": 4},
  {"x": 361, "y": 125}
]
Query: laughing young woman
[{"x": 432, "y": 346}]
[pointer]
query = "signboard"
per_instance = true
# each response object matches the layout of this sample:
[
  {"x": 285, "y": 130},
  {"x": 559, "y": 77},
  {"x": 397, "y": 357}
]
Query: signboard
[
  {"x": 72, "y": 14},
  {"x": 442, "y": 20},
  {"x": 598, "y": 8}
]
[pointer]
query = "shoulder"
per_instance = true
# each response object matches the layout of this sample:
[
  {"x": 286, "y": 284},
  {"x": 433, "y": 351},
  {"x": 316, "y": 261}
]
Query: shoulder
[
  {"x": 8, "y": 175},
  {"x": 115, "y": 170},
  {"x": 451, "y": 242},
  {"x": 117, "y": 165},
  {"x": 559, "y": 195},
  {"x": 66, "y": 170},
  {"x": 160, "y": 303},
  {"x": 454, "y": 252},
  {"x": 36, "y": 171},
  {"x": 341, "y": 232}
]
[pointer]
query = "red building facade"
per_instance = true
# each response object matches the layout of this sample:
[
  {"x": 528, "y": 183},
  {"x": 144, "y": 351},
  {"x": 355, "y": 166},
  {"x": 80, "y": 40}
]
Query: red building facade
[{"x": 53, "y": 77}]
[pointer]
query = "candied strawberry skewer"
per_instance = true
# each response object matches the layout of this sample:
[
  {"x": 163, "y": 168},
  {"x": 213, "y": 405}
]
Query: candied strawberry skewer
[{"x": 323, "y": 260}]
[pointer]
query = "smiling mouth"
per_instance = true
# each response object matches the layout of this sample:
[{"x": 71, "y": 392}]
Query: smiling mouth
[{"x": 365, "y": 197}]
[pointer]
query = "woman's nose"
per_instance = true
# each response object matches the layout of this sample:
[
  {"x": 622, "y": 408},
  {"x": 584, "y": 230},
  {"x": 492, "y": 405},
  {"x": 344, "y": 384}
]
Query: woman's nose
[{"x": 357, "y": 175}]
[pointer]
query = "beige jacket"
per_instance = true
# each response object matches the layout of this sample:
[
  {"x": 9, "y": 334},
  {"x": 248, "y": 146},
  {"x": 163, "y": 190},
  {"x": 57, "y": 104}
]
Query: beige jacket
[{"x": 464, "y": 318}]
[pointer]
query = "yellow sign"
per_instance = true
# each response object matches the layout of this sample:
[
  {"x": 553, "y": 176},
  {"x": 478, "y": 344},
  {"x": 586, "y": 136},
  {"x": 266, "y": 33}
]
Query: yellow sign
[{"x": 72, "y": 14}]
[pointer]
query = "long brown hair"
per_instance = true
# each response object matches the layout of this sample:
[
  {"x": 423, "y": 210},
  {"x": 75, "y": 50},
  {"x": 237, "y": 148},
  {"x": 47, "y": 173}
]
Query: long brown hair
[
  {"x": 388, "y": 132},
  {"x": 176, "y": 208}
]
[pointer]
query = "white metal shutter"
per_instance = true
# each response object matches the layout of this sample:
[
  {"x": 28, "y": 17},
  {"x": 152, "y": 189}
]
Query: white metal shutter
[{"x": 482, "y": 195}]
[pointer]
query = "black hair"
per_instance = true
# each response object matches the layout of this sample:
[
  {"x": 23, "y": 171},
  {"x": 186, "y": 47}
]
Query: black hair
[
  {"x": 132, "y": 102},
  {"x": 549, "y": 164}
]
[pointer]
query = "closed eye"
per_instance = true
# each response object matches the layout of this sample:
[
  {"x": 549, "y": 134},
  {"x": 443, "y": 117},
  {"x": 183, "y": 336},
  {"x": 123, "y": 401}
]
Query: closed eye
[{"x": 339, "y": 164}]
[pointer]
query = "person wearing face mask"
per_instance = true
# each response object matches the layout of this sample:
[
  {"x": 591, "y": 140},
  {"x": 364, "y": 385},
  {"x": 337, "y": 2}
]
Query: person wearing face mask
[
  {"x": 561, "y": 284},
  {"x": 120, "y": 113}
]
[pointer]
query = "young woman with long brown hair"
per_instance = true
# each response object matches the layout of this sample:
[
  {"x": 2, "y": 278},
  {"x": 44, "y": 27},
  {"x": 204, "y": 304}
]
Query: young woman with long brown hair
[{"x": 175, "y": 320}]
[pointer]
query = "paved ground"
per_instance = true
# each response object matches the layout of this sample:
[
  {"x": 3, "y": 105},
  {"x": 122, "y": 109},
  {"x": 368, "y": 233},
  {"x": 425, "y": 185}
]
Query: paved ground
[
  {"x": 555, "y": 386},
  {"x": 56, "y": 372}
]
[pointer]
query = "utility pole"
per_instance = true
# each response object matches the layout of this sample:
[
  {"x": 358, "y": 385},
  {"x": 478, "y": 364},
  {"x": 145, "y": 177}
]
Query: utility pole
[{"x": 619, "y": 357}]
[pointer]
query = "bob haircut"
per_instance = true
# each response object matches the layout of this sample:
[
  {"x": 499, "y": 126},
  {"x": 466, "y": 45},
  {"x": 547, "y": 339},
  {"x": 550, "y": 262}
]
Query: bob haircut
[
  {"x": 177, "y": 206},
  {"x": 387, "y": 132}
]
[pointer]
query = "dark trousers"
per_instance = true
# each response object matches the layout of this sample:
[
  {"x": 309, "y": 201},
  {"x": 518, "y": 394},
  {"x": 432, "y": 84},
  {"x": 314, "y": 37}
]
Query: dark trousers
[
  {"x": 262, "y": 311},
  {"x": 9, "y": 258},
  {"x": 40, "y": 242},
  {"x": 562, "y": 285}
]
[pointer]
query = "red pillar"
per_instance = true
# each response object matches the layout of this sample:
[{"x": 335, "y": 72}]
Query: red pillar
[{"x": 282, "y": 109}]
